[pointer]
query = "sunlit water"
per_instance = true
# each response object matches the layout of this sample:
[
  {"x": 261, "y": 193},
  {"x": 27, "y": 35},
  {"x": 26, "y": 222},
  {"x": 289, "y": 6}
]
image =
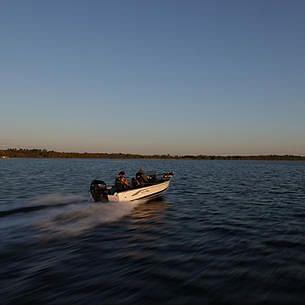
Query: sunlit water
[{"x": 227, "y": 232}]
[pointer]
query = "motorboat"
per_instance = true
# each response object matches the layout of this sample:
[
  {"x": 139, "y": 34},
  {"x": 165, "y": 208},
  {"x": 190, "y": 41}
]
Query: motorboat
[{"x": 156, "y": 186}]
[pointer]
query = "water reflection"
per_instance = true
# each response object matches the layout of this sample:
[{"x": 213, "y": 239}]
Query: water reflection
[{"x": 152, "y": 210}]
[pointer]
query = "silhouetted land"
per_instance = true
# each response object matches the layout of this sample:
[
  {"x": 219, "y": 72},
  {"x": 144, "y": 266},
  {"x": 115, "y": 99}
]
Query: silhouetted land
[{"x": 42, "y": 153}]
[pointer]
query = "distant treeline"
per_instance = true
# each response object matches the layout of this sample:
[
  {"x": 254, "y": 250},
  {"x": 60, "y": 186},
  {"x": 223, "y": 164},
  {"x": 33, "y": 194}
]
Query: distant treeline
[{"x": 43, "y": 153}]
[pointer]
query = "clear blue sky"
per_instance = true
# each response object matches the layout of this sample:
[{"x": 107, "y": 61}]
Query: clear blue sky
[{"x": 198, "y": 77}]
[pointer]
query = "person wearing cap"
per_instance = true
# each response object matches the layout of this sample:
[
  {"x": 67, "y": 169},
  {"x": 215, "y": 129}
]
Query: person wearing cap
[
  {"x": 141, "y": 177},
  {"x": 121, "y": 182}
]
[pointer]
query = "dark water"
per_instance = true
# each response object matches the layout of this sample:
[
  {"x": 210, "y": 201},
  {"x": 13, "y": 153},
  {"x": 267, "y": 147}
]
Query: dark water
[{"x": 227, "y": 232}]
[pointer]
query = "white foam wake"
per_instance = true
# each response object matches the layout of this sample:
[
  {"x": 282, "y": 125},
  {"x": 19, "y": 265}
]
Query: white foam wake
[{"x": 81, "y": 216}]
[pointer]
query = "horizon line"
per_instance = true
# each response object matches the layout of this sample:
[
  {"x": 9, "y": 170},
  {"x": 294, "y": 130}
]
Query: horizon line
[{"x": 163, "y": 155}]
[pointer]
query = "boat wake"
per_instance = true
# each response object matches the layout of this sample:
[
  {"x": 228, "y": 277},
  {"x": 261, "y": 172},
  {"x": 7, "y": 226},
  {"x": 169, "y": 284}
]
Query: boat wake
[
  {"x": 42, "y": 203},
  {"x": 76, "y": 218},
  {"x": 61, "y": 214}
]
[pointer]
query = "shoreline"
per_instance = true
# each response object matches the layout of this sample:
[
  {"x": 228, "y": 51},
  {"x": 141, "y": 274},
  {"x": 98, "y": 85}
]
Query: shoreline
[{"x": 45, "y": 154}]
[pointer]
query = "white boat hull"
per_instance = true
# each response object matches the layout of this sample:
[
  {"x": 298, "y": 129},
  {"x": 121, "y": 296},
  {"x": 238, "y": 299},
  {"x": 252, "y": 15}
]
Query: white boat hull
[{"x": 148, "y": 192}]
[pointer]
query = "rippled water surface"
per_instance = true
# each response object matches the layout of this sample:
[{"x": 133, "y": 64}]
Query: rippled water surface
[{"x": 227, "y": 232}]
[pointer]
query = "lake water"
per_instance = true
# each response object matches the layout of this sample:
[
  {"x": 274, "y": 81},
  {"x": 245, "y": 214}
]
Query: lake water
[{"x": 226, "y": 232}]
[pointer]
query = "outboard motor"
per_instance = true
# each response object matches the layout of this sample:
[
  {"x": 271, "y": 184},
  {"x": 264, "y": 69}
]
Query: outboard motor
[{"x": 98, "y": 190}]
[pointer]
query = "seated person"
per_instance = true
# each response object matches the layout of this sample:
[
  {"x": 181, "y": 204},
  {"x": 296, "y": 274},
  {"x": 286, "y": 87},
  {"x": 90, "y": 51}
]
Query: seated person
[
  {"x": 134, "y": 182},
  {"x": 121, "y": 182},
  {"x": 141, "y": 177}
]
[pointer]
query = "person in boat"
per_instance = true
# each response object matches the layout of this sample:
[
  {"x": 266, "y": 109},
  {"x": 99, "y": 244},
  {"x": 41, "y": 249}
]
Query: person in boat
[
  {"x": 134, "y": 182},
  {"x": 141, "y": 177},
  {"x": 121, "y": 182}
]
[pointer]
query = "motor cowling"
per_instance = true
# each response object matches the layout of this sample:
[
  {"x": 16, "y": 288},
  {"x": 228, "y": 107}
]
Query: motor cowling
[{"x": 98, "y": 190}]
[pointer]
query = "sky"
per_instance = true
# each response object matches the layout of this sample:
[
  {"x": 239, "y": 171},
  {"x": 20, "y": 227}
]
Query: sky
[{"x": 155, "y": 76}]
